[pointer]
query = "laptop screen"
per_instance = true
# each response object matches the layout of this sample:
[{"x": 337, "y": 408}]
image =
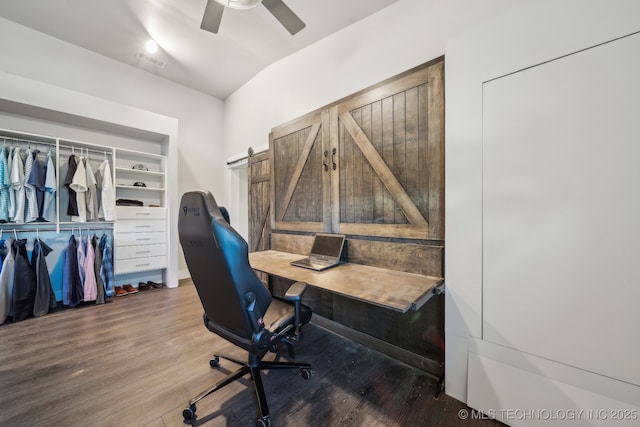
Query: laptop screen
[{"x": 327, "y": 245}]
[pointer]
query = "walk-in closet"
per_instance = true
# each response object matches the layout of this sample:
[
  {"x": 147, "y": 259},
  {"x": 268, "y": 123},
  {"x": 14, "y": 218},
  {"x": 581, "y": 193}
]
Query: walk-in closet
[{"x": 79, "y": 220}]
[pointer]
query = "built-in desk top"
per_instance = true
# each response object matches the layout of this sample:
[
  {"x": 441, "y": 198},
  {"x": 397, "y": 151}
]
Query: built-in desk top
[{"x": 391, "y": 289}]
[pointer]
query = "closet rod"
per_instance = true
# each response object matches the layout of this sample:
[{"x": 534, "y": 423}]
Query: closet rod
[
  {"x": 75, "y": 227},
  {"x": 84, "y": 230},
  {"x": 18, "y": 229},
  {"x": 51, "y": 144},
  {"x": 92, "y": 150}
]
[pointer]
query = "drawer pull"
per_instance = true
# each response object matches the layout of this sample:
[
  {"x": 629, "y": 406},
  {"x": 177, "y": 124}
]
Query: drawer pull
[
  {"x": 143, "y": 226},
  {"x": 142, "y": 252},
  {"x": 143, "y": 265},
  {"x": 143, "y": 213},
  {"x": 146, "y": 238}
]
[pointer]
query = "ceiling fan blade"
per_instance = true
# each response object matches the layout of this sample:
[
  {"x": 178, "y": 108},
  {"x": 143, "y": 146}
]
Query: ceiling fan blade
[
  {"x": 212, "y": 17},
  {"x": 287, "y": 18}
]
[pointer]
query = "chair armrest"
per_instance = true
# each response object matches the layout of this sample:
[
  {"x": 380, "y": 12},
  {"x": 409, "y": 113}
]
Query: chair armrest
[{"x": 295, "y": 291}]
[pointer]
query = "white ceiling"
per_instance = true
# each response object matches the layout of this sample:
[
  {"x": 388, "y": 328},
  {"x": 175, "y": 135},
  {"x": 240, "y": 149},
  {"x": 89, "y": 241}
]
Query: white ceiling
[{"x": 216, "y": 64}]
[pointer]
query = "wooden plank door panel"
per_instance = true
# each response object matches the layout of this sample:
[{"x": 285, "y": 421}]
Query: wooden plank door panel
[
  {"x": 391, "y": 152},
  {"x": 297, "y": 181},
  {"x": 259, "y": 203},
  {"x": 371, "y": 164}
]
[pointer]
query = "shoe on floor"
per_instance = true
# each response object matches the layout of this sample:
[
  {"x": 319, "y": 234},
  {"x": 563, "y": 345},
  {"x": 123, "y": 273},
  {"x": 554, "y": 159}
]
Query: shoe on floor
[
  {"x": 130, "y": 289},
  {"x": 119, "y": 292},
  {"x": 155, "y": 285},
  {"x": 144, "y": 286}
]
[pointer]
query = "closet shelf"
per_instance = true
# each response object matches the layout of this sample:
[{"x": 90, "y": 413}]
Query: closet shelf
[
  {"x": 27, "y": 224},
  {"x": 133, "y": 187},
  {"x": 87, "y": 224},
  {"x": 138, "y": 172}
]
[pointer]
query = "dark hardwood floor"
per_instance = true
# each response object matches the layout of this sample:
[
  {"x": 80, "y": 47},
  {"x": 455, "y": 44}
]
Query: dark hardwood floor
[{"x": 137, "y": 361}]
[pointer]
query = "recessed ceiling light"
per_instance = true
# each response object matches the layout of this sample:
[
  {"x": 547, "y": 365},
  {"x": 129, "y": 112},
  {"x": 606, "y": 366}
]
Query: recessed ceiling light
[{"x": 151, "y": 46}]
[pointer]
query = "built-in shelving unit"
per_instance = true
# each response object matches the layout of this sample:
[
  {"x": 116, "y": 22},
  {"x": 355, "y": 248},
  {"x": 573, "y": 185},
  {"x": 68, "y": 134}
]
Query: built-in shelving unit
[{"x": 140, "y": 232}]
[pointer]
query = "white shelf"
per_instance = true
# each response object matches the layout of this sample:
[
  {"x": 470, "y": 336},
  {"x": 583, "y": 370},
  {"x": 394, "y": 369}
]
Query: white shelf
[
  {"x": 133, "y": 187},
  {"x": 139, "y": 172}
]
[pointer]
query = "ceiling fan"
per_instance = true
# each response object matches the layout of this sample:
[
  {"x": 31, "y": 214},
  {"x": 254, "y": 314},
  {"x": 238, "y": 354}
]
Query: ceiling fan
[{"x": 215, "y": 8}]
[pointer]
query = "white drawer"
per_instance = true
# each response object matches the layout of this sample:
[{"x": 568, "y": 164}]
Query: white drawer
[
  {"x": 136, "y": 239},
  {"x": 140, "y": 226},
  {"x": 140, "y": 212},
  {"x": 142, "y": 251},
  {"x": 140, "y": 264}
]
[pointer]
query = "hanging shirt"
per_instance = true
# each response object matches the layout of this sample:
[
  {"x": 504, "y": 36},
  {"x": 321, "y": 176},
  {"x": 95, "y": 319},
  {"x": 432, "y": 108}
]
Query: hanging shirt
[
  {"x": 36, "y": 179},
  {"x": 79, "y": 185},
  {"x": 17, "y": 182},
  {"x": 90, "y": 284},
  {"x": 12, "y": 193},
  {"x": 72, "y": 291},
  {"x": 24, "y": 292},
  {"x": 7, "y": 281},
  {"x": 45, "y": 297},
  {"x": 72, "y": 206},
  {"x": 97, "y": 262},
  {"x": 92, "y": 194},
  {"x": 3, "y": 252},
  {"x": 80, "y": 252},
  {"x": 108, "y": 202},
  {"x": 31, "y": 204},
  {"x": 50, "y": 186},
  {"x": 106, "y": 268},
  {"x": 5, "y": 182}
]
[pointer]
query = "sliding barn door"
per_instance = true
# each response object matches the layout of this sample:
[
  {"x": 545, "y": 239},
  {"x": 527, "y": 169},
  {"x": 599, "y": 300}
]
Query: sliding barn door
[
  {"x": 300, "y": 178},
  {"x": 390, "y": 148},
  {"x": 259, "y": 203}
]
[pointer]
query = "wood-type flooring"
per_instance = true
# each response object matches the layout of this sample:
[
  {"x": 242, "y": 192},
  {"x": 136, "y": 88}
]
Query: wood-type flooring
[{"x": 137, "y": 360}]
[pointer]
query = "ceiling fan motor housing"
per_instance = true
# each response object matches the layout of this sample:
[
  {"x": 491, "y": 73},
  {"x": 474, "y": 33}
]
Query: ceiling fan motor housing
[{"x": 240, "y": 4}]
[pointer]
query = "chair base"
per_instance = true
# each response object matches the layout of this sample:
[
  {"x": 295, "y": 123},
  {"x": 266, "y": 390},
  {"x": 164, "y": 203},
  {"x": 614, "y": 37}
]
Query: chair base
[{"x": 253, "y": 368}]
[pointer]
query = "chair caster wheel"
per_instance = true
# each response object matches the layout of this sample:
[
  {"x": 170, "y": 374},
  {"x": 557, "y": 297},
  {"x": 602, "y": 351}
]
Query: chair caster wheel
[
  {"x": 263, "y": 422},
  {"x": 215, "y": 362},
  {"x": 305, "y": 373},
  {"x": 189, "y": 414}
]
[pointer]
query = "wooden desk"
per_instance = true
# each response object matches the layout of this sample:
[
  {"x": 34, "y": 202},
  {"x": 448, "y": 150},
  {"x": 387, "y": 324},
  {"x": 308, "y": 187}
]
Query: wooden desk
[{"x": 391, "y": 289}]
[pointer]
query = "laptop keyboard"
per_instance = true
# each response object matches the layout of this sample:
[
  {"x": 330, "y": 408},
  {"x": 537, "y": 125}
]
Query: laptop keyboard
[{"x": 318, "y": 263}]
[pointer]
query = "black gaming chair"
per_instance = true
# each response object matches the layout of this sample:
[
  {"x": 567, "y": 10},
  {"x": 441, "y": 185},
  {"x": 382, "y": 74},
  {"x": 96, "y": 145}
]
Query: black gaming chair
[{"x": 237, "y": 306}]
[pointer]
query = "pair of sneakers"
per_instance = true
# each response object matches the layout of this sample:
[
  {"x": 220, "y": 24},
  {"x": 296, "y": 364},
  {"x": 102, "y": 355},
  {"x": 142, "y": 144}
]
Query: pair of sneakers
[{"x": 127, "y": 289}]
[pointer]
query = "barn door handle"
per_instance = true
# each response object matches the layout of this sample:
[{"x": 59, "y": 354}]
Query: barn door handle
[
  {"x": 324, "y": 161},
  {"x": 333, "y": 158}
]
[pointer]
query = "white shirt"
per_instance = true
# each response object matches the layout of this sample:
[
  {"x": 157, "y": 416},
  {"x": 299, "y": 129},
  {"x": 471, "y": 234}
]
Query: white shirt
[
  {"x": 49, "y": 209},
  {"x": 17, "y": 182},
  {"x": 108, "y": 203},
  {"x": 79, "y": 185}
]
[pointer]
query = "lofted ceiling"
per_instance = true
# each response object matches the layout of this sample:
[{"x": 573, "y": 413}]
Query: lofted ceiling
[{"x": 217, "y": 64}]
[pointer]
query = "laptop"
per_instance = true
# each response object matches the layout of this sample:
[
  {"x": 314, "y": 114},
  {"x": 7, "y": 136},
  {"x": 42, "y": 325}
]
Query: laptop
[{"x": 325, "y": 252}]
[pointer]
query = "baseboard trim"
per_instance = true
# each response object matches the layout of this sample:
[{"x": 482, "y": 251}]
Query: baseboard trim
[{"x": 426, "y": 365}]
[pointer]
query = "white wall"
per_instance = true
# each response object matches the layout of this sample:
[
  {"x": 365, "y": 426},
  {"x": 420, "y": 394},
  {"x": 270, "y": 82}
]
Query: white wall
[
  {"x": 404, "y": 35},
  {"x": 42, "y": 58},
  {"x": 513, "y": 35},
  {"x": 492, "y": 376}
]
